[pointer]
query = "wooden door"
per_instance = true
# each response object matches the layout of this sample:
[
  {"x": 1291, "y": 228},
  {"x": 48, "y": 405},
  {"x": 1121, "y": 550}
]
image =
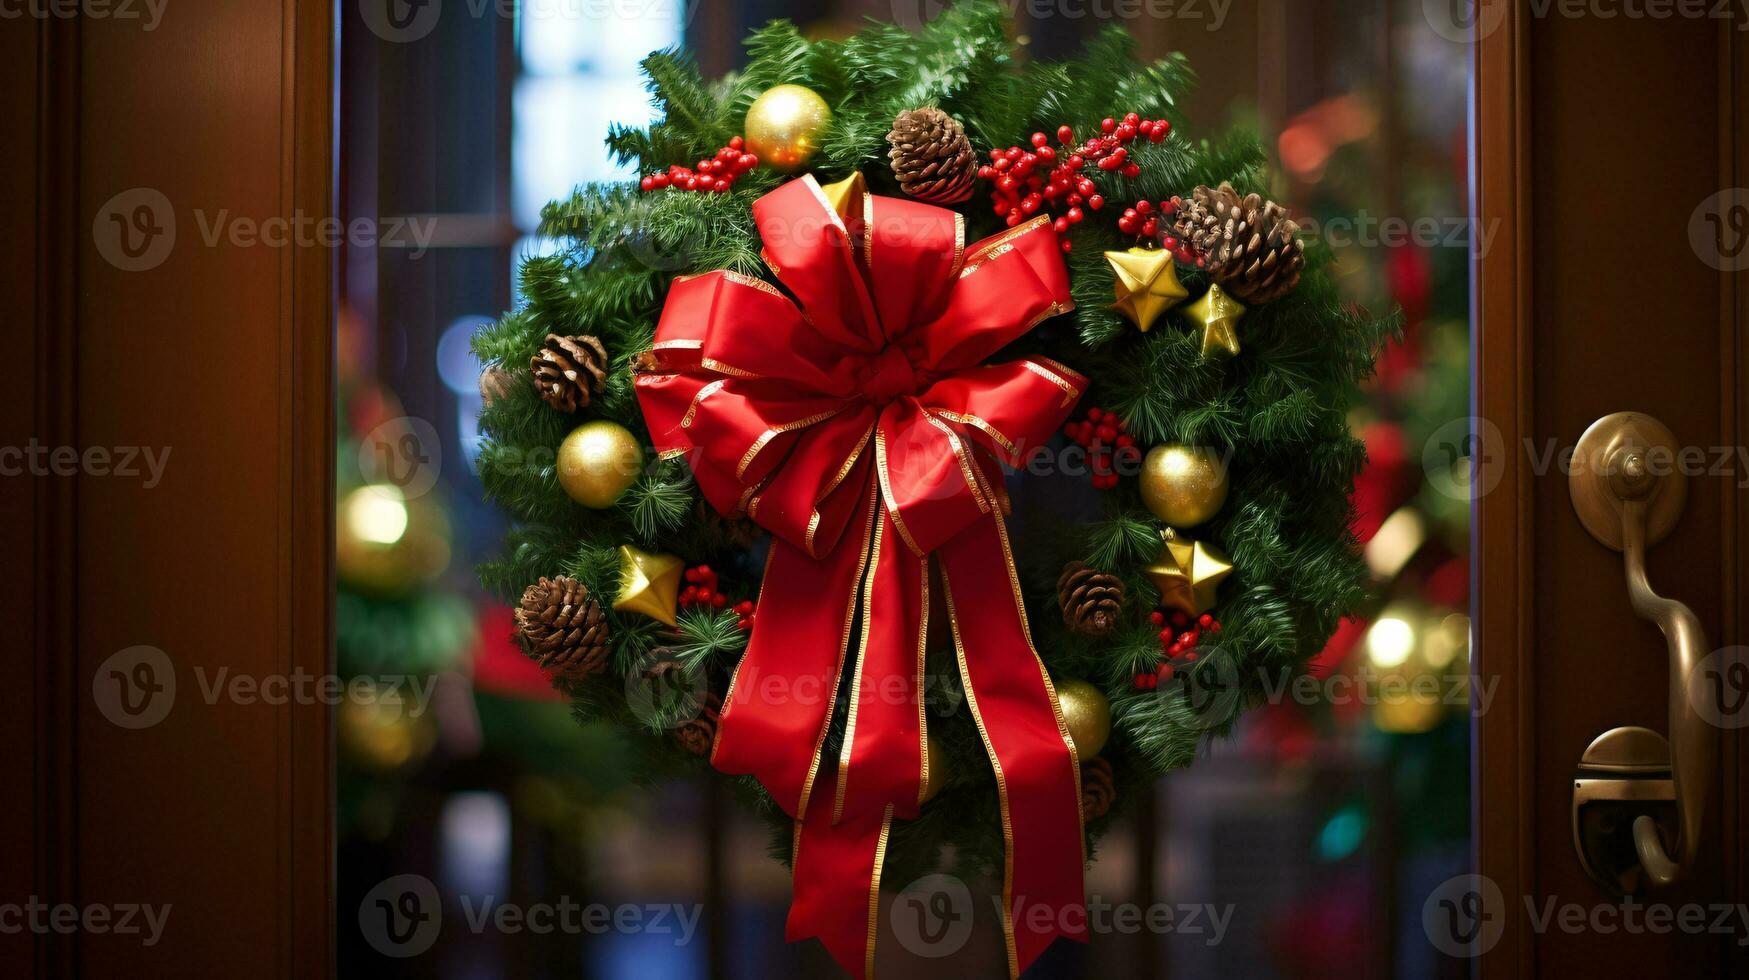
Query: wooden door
[
  {"x": 168, "y": 459},
  {"x": 1600, "y": 143}
]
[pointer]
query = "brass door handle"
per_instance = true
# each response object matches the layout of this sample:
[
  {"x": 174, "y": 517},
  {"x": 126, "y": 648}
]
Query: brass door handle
[{"x": 1629, "y": 493}]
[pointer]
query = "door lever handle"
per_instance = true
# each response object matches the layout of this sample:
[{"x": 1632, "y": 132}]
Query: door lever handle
[{"x": 1629, "y": 494}]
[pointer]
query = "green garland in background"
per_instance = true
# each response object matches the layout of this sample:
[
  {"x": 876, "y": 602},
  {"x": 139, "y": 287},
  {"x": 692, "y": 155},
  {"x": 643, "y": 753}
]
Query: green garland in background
[{"x": 1279, "y": 408}]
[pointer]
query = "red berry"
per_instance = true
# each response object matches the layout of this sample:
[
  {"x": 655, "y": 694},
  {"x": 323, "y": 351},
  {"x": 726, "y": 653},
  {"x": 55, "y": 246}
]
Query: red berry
[
  {"x": 1046, "y": 153},
  {"x": 1061, "y": 225},
  {"x": 1096, "y": 201},
  {"x": 1132, "y": 170},
  {"x": 1151, "y": 227},
  {"x": 1068, "y": 246},
  {"x": 1132, "y": 118},
  {"x": 1065, "y": 134},
  {"x": 1040, "y": 139},
  {"x": 1108, "y": 124}
]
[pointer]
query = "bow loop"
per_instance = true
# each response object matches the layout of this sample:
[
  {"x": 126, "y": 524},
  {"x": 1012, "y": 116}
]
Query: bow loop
[{"x": 856, "y": 425}]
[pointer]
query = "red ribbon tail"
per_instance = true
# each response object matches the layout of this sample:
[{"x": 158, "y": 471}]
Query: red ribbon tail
[
  {"x": 837, "y": 885},
  {"x": 1037, "y": 772}
]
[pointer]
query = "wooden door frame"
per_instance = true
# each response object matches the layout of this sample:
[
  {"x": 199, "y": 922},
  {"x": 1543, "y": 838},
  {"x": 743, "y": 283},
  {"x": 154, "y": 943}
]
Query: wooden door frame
[
  {"x": 1505, "y": 775},
  {"x": 1500, "y": 530},
  {"x": 82, "y": 786}
]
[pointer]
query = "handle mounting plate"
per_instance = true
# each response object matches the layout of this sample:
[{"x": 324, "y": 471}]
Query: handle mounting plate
[{"x": 1599, "y": 476}]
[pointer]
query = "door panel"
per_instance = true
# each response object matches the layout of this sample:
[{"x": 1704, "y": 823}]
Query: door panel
[
  {"x": 213, "y": 355},
  {"x": 1597, "y": 139}
]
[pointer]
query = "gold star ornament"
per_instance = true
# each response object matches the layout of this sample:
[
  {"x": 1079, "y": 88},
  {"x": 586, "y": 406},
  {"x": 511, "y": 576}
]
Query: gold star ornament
[
  {"x": 1146, "y": 283},
  {"x": 1217, "y": 314},
  {"x": 1188, "y": 574},
  {"x": 648, "y": 583}
]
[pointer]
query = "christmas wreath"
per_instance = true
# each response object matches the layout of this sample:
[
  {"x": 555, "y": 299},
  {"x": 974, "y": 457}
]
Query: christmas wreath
[{"x": 933, "y": 438}]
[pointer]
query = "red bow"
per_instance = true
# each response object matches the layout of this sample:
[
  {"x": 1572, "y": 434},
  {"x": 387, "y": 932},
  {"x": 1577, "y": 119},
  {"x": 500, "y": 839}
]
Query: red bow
[{"x": 866, "y": 410}]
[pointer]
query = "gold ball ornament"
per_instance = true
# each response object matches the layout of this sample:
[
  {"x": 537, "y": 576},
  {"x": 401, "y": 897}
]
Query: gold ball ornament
[
  {"x": 1217, "y": 316},
  {"x": 648, "y": 583},
  {"x": 936, "y": 760},
  {"x": 1146, "y": 283},
  {"x": 784, "y": 126},
  {"x": 1088, "y": 715},
  {"x": 1183, "y": 485},
  {"x": 598, "y": 462}
]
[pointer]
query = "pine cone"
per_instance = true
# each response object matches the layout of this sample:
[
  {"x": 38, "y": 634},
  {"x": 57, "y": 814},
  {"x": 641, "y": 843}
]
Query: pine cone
[
  {"x": 932, "y": 157},
  {"x": 1098, "y": 789},
  {"x": 496, "y": 384},
  {"x": 724, "y": 533},
  {"x": 1091, "y": 600},
  {"x": 696, "y": 735},
  {"x": 564, "y": 627},
  {"x": 1252, "y": 246},
  {"x": 568, "y": 370}
]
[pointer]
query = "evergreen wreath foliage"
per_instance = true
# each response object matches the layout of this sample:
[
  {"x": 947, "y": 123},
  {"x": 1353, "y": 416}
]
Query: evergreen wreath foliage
[{"x": 1279, "y": 409}]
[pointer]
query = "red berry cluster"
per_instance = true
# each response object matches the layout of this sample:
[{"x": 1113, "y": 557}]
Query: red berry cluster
[
  {"x": 1144, "y": 220},
  {"x": 1179, "y": 635},
  {"x": 1105, "y": 437},
  {"x": 716, "y": 174},
  {"x": 702, "y": 590},
  {"x": 1044, "y": 177}
]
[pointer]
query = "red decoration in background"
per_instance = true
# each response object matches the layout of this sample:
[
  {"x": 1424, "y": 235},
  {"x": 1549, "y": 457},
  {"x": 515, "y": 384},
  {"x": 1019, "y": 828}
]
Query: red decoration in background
[
  {"x": 715, "y": 175},
  {"x": 703, "y": 589},
  {"x": 1042, "y": 178},
  {"x": 1106, "y": 438},
  {"x": 500, "y": 666}
]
